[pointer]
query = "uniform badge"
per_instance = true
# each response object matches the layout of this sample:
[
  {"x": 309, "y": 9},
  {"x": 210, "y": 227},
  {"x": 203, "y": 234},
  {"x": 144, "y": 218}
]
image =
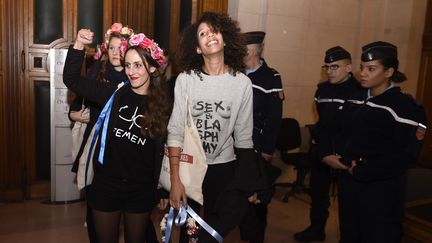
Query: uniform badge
[{"x": 421, "y": 130}]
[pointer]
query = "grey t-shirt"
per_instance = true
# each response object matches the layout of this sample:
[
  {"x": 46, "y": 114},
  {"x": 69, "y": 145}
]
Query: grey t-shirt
[{"x": 221, "y": 107}]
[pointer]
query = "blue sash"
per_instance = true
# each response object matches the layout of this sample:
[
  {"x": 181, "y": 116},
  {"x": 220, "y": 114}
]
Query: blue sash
[{"x": 105, "y": 113}]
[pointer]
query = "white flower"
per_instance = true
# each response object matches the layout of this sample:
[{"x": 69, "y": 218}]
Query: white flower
[
  {"x": 191, "y": 222},
  {"x": 163, "y": 223}
]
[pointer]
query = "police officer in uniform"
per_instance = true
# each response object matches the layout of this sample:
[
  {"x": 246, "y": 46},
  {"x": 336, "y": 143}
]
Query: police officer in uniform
[
  {"x": 381, "y": 135},
  {"x": 330, "y": 95},
  {"x": 267, "y": 113}
]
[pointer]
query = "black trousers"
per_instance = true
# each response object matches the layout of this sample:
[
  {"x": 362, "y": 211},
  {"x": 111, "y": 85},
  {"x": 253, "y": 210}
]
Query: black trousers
[
  {"x": 320, "y": 180},
  {"x": 253, "y": 225},
  {"x": 371, "y": 212},
  {"x": 223, "y": 209}
]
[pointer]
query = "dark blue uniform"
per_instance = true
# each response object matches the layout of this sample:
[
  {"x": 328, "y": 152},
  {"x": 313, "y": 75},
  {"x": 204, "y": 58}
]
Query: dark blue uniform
[
  {"x": 384, "y": 135},
  {"x": 329, "y": 98},
  {"x": 267, "y": 113},
  {"x": 267, "y": 107}
]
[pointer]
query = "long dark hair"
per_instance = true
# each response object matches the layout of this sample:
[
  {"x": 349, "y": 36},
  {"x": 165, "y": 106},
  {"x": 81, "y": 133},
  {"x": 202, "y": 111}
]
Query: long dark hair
[
  {"x": 235, "y": 48},
  {"x": 157, "y": 109}
]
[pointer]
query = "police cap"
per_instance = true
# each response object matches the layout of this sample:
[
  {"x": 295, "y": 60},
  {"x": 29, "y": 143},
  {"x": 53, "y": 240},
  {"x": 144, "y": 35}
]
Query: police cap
[
  {"x": 378, "y": 50},
  {"x": 255, "y": 37},
  {"x": 335, "y": 54}
]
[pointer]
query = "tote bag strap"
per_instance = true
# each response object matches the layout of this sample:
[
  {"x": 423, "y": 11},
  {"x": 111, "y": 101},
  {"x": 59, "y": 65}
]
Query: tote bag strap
[{"x": 188, "y": 119}]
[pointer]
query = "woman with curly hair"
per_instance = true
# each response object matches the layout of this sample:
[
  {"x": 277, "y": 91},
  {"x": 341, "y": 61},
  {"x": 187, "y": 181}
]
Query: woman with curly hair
[
  {"x": 220, "y": 100},
  {"x": 128, "y": 153}
]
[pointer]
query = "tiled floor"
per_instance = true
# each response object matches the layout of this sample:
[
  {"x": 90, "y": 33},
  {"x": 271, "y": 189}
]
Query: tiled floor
[{"x": 36, "y": 222}]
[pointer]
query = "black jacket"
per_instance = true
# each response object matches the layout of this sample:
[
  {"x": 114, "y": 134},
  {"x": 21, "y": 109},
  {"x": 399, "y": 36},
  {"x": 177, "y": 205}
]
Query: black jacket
[
  {"x": 267, "y": 107},
  {"x": 383, "y": 134},
  {"x": 99, "y": 93},
  {"x": 111, "y": 75},
  {"x": 329, "y": 98}
]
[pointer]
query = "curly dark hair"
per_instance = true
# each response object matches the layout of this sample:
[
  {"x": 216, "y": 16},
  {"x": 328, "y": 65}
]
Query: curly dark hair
[
  {"x": 235, "y": 45},
  {"x": 158, "y": 106}
]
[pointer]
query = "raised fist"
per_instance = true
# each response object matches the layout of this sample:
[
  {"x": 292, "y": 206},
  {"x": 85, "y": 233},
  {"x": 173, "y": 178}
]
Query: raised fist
[{"x": 85, "y": 36}]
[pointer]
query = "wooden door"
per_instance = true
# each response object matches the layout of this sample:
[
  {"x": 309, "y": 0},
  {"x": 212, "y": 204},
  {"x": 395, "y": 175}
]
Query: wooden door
[
  {"x": 12, "y": 165},
  {"x": 219, "y": 6},
  {"x": 424, "y": 89},
  {"x": 47, "y": 24},
  {"x": 4, "y": 101}
]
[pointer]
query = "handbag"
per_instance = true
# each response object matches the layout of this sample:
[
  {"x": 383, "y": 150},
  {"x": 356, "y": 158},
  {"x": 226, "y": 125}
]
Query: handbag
[
  {"x": 78, "y": 130},
  {"x": 83, "y": 178},
  {"x": 193, "y": 162}
]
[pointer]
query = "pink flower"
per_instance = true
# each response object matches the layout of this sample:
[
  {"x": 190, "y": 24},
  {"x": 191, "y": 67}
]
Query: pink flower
[
  {"x": 147, "y": 43},
  {"x": 97, "y": 55},
  {"x": 100, "y": 49},
  {"x": 157, "y": 53},
  {"x": 116, "y": 27},
  {"x": 103, "y": 47},
  {"x": 123, "y": 46},
  {"x": 136, "y": 39}
]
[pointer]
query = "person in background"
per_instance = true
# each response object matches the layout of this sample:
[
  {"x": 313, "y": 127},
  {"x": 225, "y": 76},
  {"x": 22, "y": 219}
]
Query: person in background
[
  {"x": 381, "y": 133},
  {"x": 220, "y": 99},
  {"x": 127, "y": 161},
  {"x": 330, "y": 95},
  {"x": 267, "y": 116}
]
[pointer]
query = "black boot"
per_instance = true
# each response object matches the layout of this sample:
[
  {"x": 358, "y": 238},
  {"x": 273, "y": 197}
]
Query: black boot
[{"x": 311, "y": 233}]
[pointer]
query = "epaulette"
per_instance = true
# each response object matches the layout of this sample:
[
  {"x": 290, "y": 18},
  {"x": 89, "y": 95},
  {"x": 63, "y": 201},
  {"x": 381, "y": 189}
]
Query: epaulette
[{"x": 275, "y": 73}]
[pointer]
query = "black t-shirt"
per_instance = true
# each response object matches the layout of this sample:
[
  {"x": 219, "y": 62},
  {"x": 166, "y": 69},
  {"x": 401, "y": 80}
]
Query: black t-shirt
[{"x": 130, "y": 155}]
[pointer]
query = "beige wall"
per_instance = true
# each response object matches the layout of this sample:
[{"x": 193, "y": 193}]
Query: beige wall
[{"x": 299, "y": 32}]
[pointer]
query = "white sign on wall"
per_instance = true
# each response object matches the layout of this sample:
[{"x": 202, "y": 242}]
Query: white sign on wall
[{"x": 63, "y": 184}]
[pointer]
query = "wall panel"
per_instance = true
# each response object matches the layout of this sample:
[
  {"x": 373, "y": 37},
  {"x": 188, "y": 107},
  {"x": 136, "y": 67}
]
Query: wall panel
[
  {"x": 424, "y": 88},
  {"x": 2, "y": 102}
]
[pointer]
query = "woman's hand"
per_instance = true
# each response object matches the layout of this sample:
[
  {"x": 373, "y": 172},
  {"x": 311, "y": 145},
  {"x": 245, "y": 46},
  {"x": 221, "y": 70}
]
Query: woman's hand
[
  {"x": 333, "y": 161},
  {"x": 254, "y": 199},
  {"x": 266, "y": 157},
  {"x": 84, "y": 37},
  {"x": 353, "y": 164},
  {"x": 77, "y": 116},
  {"x": 163, "y": 203},
  {"x": 177, "y": 194}
]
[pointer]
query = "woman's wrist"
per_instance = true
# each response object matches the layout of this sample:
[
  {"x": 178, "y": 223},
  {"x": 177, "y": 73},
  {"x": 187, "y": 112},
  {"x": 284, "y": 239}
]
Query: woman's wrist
[
  {"x": 175, "y": 178},
  {"x": 78, "y": 45}
]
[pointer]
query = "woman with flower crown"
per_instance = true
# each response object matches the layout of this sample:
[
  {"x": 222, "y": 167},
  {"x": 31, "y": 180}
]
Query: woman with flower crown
[
  {"x": 106, "y": 68},
  {"x": 220, "y": 99},
  {"x": 127, "y": 158}
]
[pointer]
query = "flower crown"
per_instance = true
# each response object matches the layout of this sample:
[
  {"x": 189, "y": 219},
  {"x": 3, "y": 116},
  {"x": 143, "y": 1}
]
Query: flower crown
[
  {"x": 125, "y": 33},
  {"x": 152, "y": 47}
]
